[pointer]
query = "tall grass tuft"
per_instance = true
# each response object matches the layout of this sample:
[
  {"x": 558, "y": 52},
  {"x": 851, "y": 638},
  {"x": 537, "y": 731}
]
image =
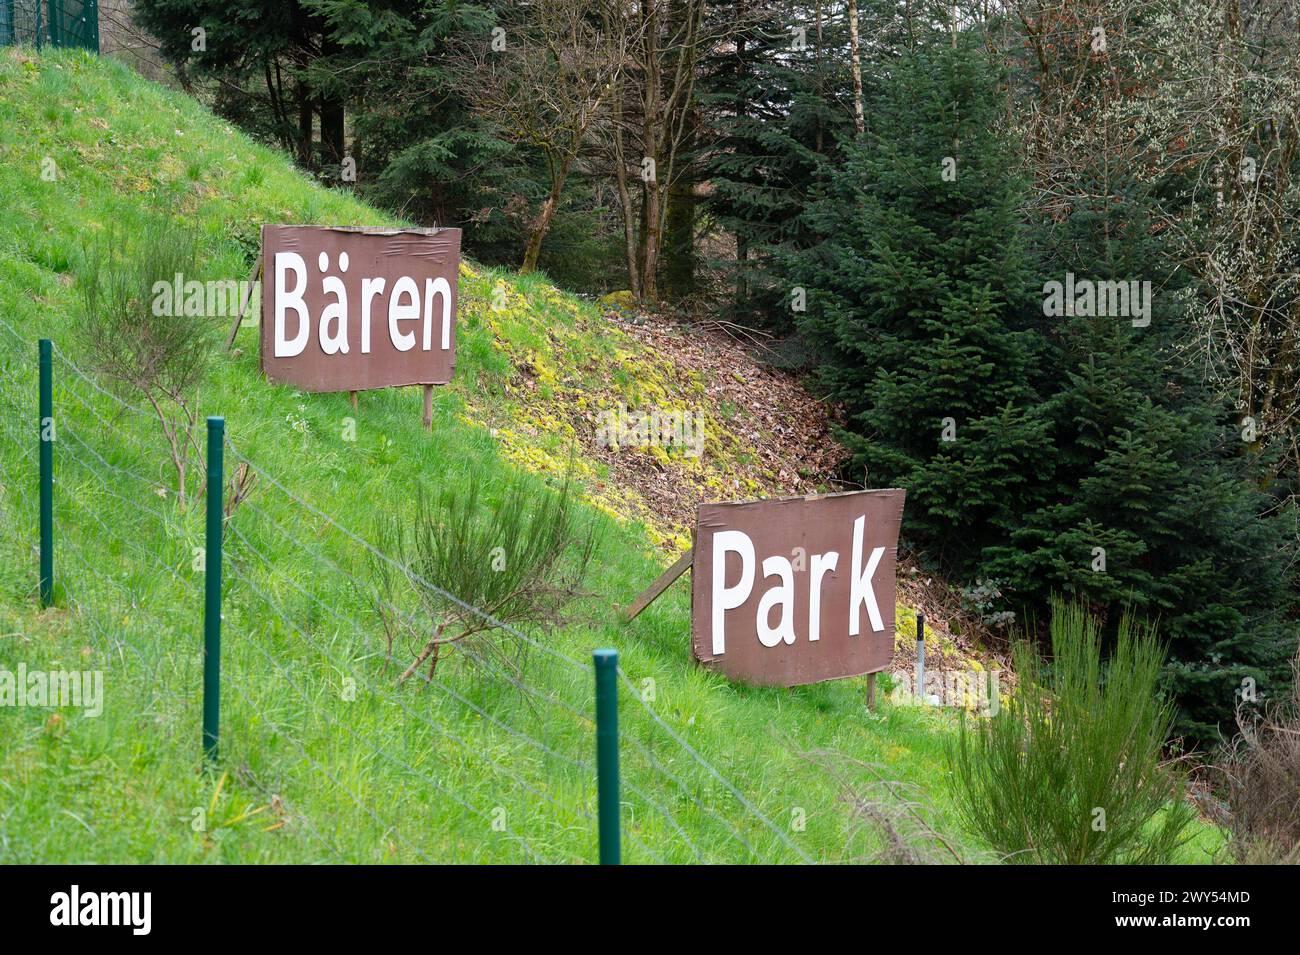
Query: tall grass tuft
[
  {"x": 469, "y": 563},
  {"x": 1071, "y": 772}
]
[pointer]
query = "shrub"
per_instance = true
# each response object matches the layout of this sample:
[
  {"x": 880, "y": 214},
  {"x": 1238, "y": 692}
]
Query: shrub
[
  {"x": 148, "y": 352},
  {"x": 1071, "y": 771},
  {"x": 893, "y": 820},
  {"x": 1262, "y": 770},
  {"x": 466, "y": 566}
]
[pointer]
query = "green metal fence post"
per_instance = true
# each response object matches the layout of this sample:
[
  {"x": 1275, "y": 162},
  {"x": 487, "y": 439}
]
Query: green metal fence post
[
  {"x": 212, "y": 589},
  {"x": 90, "y": 26},
  {"x": 47, "y": 473},
  {"x": 606, "y": 662}
]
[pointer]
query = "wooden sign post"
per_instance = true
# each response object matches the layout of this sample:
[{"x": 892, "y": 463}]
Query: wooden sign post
[
  {"x": 662, "y": 583},
  {"x": 244, "y": 302}
]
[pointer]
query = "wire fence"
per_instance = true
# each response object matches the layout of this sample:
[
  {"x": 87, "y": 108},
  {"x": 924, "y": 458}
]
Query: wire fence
[
  {"x": 489, "y": 761},
  {"x": 50, "y": 23}
]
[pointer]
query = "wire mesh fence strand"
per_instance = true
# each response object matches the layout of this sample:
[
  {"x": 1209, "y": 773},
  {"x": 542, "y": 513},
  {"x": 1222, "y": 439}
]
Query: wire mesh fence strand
[{"x": 647, "y": 781}]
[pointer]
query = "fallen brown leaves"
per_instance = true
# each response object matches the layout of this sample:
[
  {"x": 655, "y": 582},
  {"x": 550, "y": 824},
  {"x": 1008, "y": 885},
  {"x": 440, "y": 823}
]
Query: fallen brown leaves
[{"x": 778, "y": 438}]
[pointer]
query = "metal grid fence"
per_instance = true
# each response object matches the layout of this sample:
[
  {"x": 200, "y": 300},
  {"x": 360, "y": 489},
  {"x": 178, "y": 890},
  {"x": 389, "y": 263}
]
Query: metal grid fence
[{"x": 41, "y": 23}]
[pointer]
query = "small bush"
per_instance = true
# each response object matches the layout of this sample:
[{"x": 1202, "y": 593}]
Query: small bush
[
  {"x": 1262, "y": 770},
  {"x": 519, "y": 560},
  {"x": 1071, "y": 771},
  {"x": 147, "y": 352}
]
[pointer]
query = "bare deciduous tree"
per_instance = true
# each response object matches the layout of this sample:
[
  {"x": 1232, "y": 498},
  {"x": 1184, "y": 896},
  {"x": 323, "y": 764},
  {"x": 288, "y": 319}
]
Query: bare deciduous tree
[
  {"x": 1261, "y": 775},
  {"x": 1225, "y": 117},
  {"x": 652, "y": 120},
  {"x": 544, "y": 79},
  {"x": 1197, "y": 104}
]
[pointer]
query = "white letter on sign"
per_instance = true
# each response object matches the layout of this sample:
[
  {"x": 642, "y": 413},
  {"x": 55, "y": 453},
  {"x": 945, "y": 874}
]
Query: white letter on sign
[
  {"x": 821, "y": 563},
  {"x": 369, "y": 289},
  {"x": 335, "y": 311},
  {"x": 432, "y": 287},
  {"x": 397, "y": 312},
  {"x": 862, "y": 592},
  {"x": 729, "y": 598},
  {"x": 285, "y": 300},
  {"x": 783, "y": 595}
]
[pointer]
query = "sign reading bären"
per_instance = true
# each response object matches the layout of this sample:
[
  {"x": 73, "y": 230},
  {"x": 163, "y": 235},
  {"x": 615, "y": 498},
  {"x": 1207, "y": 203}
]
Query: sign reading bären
[
  {"x": 796, "y": 590},
  {"x": 349, "y": 309}
]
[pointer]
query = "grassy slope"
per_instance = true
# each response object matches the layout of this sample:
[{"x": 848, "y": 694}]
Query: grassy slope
[{"x": 467, "y": 769}]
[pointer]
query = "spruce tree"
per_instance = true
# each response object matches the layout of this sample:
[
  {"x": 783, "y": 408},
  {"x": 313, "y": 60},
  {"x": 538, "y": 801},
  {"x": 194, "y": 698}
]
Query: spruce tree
[
  {"x": 775, "y": 103},
  {"x": 1051, "y": 451},
  {"x": 919, "y": 307},
  {"x": 1156, "y": 504}
]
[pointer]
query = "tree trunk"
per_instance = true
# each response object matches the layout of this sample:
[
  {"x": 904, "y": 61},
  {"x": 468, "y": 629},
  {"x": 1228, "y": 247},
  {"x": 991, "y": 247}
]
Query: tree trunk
[
  {"x": 681, "y": 124},
  {"x": 331, "y": 114},
  {"x": 821, "y": 86},
  {"x": 855, "y": 55},
  {"x": 625, "y": 198},
  {"x": 650, "y": 243},
  {"x": 306, "y": 117},
  {"x": 651, "y": 124},
  {"x": 679, "y": 236},
  {"x": 542, "y": 224},
  {"x": 331, "y": 129}
]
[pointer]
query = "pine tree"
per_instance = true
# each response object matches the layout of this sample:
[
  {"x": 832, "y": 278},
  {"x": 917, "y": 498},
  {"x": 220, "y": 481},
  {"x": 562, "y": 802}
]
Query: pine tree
[
  {"x": 1076, "y": 453},
  {"x": 775, "y": 103},
  {"x": 919, "y": 307},
  {"x": 1155, "y": 506}
]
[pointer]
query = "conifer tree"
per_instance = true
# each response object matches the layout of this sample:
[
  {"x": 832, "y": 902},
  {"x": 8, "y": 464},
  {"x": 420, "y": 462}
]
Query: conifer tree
[
  {"x": 775, "y": 99},
  {"x": 1154, "y": 506},
  {"x": 919, "y": 307}
]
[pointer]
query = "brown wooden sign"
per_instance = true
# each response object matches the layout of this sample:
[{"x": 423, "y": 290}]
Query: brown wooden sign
[
  {"x": 796, "y": 590},
  {"x": 348, "y": 309}
]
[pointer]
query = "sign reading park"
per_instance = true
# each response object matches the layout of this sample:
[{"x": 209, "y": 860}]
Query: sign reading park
[
  {"x": 349, "y": 309},
  {"x": 796, "y": 590}
]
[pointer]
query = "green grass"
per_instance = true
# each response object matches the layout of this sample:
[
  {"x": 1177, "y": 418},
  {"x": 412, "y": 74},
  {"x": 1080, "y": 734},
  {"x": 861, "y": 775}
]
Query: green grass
[{"x": 470, "y": 768}]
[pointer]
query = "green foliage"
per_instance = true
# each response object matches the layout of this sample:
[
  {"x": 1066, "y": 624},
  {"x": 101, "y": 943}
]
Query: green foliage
[
  {"x": 919, "y": 308},
  {"x": 1072, "y": 454},
  {"x": 380, "y": 777},
  {"x": 136, "y": 336},
  {"x": 1149, "y": 467},
  {"x": 777, "y": 122},
  {"x": 473, "y": 567},
  {"x": 1070, "y": 772},
  {"x": 339, "y": 766},
  {"x": 421, "y": 151},
  {"x": 292, "y": 74},
  {"x": 133, "y": 339}
]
